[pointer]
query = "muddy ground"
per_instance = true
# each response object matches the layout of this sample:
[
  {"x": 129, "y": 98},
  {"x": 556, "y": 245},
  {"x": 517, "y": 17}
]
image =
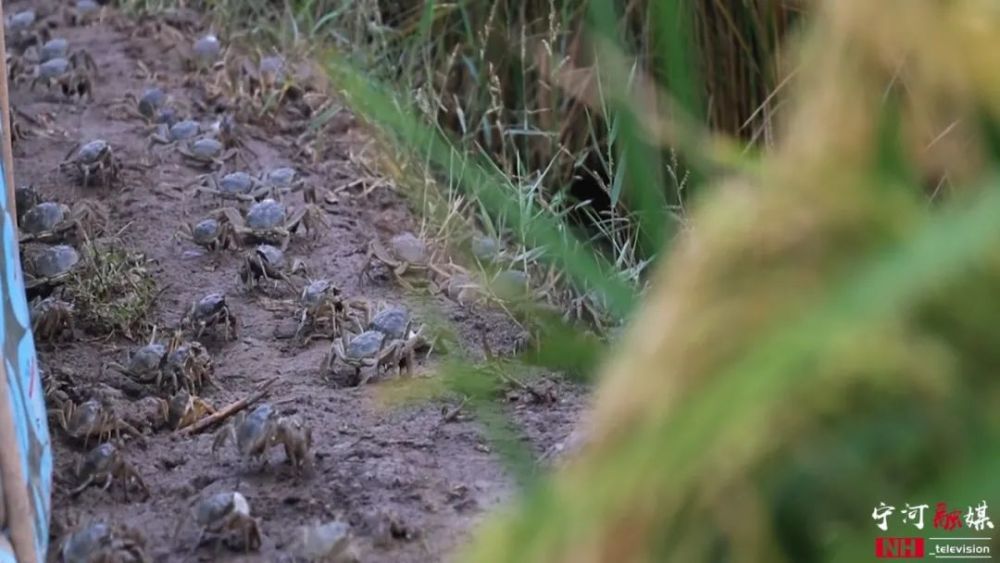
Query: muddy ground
[{"x": 373, "y": 466}]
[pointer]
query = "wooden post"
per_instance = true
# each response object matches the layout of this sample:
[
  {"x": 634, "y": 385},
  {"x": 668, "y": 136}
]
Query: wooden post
[{"x": 20, "y": 516}]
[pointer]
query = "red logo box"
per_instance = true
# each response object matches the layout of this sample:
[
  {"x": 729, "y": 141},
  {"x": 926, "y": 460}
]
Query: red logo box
[{"x": 899, "y": 548}]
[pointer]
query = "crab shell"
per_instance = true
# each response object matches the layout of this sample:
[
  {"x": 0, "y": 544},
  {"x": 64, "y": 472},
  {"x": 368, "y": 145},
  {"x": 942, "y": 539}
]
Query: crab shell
[
  {"x": 485, "y": 248},
  {"x": 254, "y": 433},
  {"x": 393, "y": 322},
  {"x": 365, "y": 345},
  {"x": 408, "y": 248},
  {"x": 93, "y": 151},
  {"x": 85, "y": 416},
  {"x": 147, "y": 359},
  {"x": 44, "y": 217},
  {"x": 55, "y": 261},
  {"x": 323, "y": 542},
  {"x": 206, "y": 148},
  {"x": 82, "y": 545},
  {"x": 183, "y": 130},
  {"x": 99, "y": 460},
  {"x": 53, "y": 68},
  {"x": 271, "y": 257},
  {"x": 282, "y": 177},
  {"x": 208, "y": 48},
  {"x": 53, "y": 48},
  {"x": 236, "y": 183},
  {"x": 21, "y": 20},
  {"x": 314, "y": 293},
  {"x": 265, "y": 215},
  {"x": 210, "y": 305},
  {"x": 272, "y": 69},
  {"x": 206, "y": 231},
  {"x": 25, "y": 197},
  {"x": 152, "y": 99}
]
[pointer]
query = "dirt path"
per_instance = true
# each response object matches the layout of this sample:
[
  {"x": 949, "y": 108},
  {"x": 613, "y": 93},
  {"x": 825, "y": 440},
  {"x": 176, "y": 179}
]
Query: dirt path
[{"x": 373, "y": 466}]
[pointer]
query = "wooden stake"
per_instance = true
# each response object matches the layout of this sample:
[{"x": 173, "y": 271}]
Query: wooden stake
[{"x": 231, "y": 409}]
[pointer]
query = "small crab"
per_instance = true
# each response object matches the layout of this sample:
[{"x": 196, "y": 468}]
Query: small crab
[
  {"x": 21, "y": 31},
  {"x": 184, "y": 409},
  {"x": 285, "y": 180},
  {"x": 393, "y": 322},
  {"x": 208, "y": 311},
  {"x": 187, "y": 366},
  {"x": 222, "y": 515},
  {"x": 51, "y": 319},
  {"x": 267, "y": 262},
  {"x": 267, "y": 222},
  {"x": 204, "y": 53},
  {"x": 207, "y": 152},
  {"x": 404, "y": 253},
  {"x": 321, "y": 303},
  {"x": 253, "y": 434},
  {"x": 104, "y": 465},
  {"x": 51, "y": 266},
  {"x": 101, "y": 542},
  {"x": 52, "y": 222},
  {"x": 92, "y": 420},
  {"x": 168, "y": 134},
  {"x": 149, "y": 103},
  {"x": 55, "y": 48},
  {"x": 73, "y": 75},
  {"x": 145, "y": 364},
  {"x": 331, "y": 542},
  {"x": 25, "y": 197},
  {"x": 211, "y": 233},
  {"x": 374, "y": 350},
  {"x": 94, "y": 159},
  {"x": 237, "y": 186},
  {"x": 83, "y": 12}
]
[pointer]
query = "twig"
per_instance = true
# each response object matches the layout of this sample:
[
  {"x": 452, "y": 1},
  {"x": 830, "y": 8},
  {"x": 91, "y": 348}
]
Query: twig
[
  {"x": 231, "y": 409},
  {"x": 452, "y": 414}
]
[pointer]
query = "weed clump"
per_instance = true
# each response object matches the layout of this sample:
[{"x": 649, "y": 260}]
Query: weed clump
[{"x": 113, "y": 290}]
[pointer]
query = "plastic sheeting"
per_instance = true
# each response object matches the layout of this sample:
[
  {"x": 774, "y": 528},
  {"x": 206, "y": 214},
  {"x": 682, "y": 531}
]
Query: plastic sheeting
[{"x": 23, "y": 381}]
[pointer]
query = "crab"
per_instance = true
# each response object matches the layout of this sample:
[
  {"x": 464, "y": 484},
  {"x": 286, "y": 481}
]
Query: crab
[
  {"x": 331, "y": 542},
  {"x": 184, "y": 409},
  {"x": 267, "y": 262},
  {"x": 208, "y": 311},
  {"x": 94, "y": 160},
  {"x": 206, "y": 152},
  {"x": 222, "y": 515},
  {"x": 237, "y": 186},
  {"x": 169, "y": 134},
  {"x": 284, "y": 180},
  {"x": 91, "y": 419},
  {"x": 104, "y": 465},
  {"x": 73, "y": 75},
  {"x": 211, "y": 233},
  {"x": 51, "y": 319},
  {"x": 101, "y": 542},
  {"x": 49, "y": 221},
  {"x": 83, "y": 12},
  {"x": 186, "y": 367},
  {"x": 374, "y": 350},
  {"x": 54, "y": 48},
  {"x": 267, "y": 222},
  {"x": 149, "y": 105},
  {"x": 204, "y": 53},
  {"x": 393, "y": 322},
  {"x": 321, "y": 303},
  {"x": 25, "y": 197},
  {"x": 51, "y": 266},
  {"x": 404, "y": 253},
  {"x": 253, "y": 434},
  {"x": 21, "y": 31},
  {"x": 145, "y": 364}
]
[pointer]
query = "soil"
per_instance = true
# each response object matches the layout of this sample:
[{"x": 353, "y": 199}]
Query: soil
[{"x": 410, "y": 483}]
